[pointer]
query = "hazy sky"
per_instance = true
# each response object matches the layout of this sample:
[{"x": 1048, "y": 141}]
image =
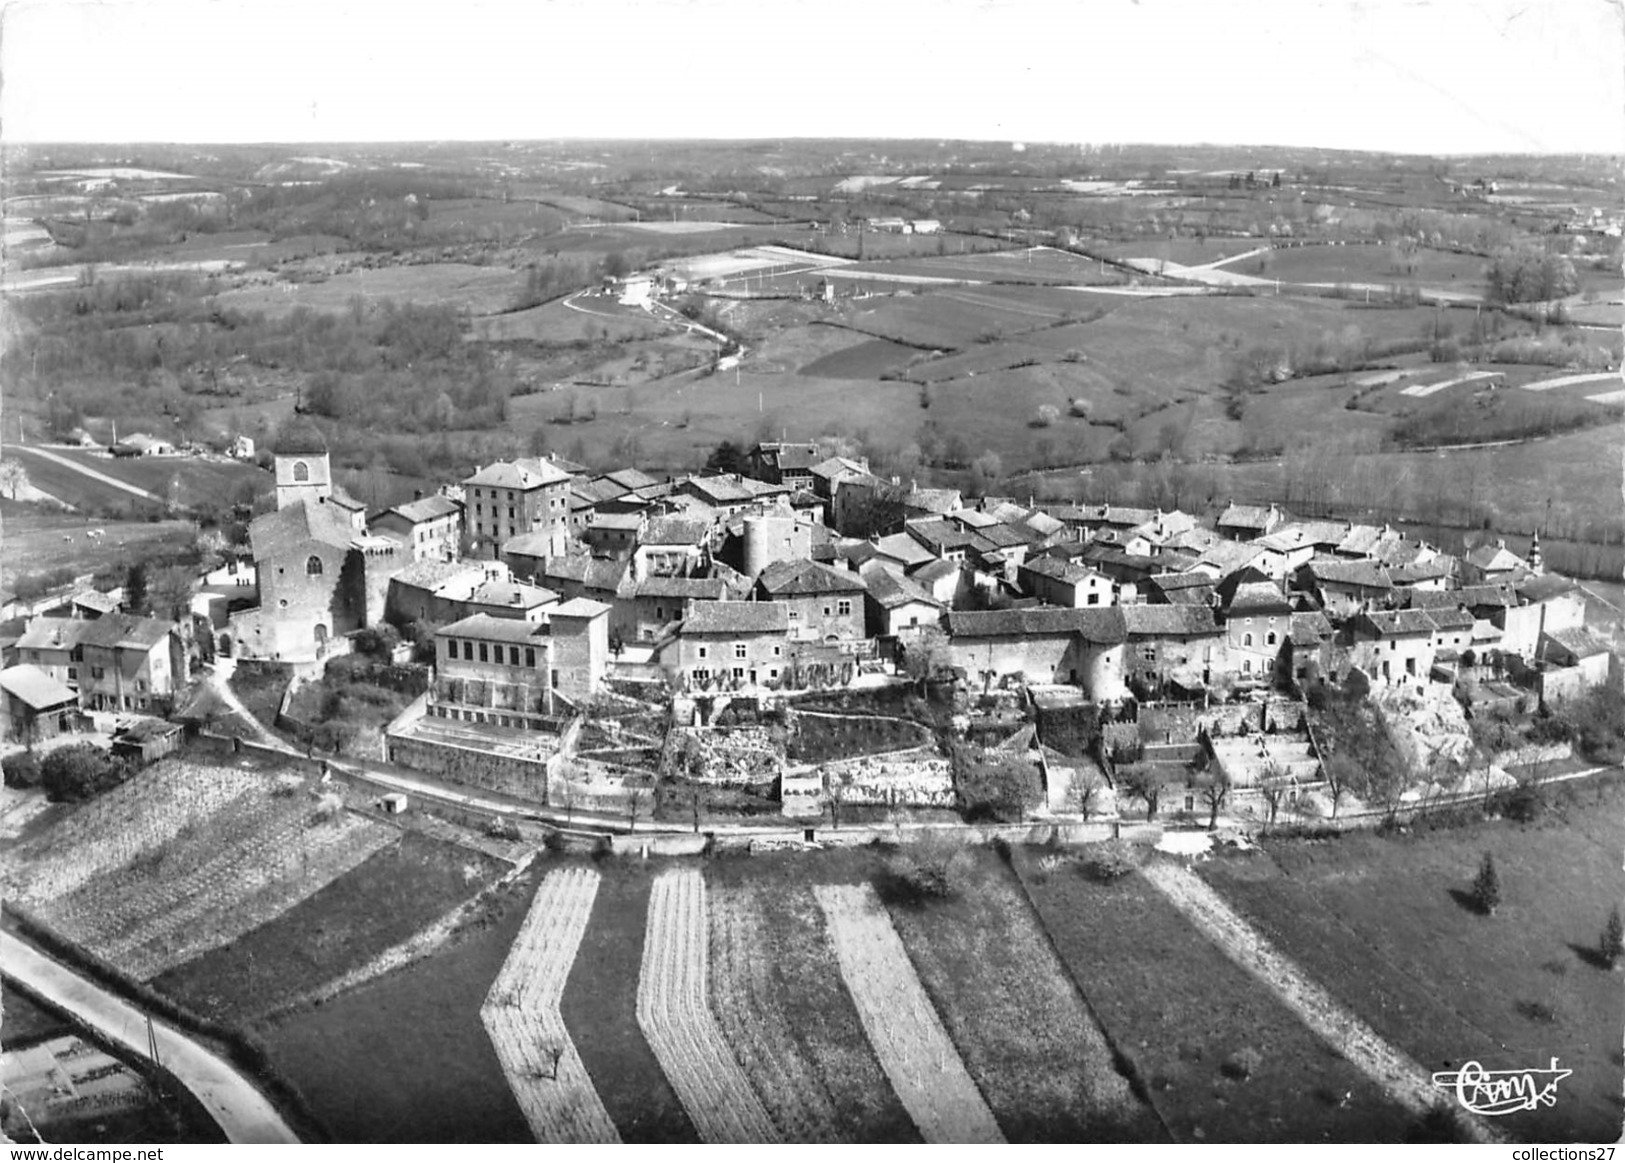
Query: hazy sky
[{"x": 1407, "y": 75}]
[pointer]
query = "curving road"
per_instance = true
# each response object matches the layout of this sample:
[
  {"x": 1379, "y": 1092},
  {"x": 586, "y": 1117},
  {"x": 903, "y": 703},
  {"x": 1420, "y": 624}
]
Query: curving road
[{"x": 244, "y": 1114}]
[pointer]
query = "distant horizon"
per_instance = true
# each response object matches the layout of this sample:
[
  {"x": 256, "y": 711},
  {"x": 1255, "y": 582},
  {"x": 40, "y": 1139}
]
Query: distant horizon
[
  {"x": 805, "y": 138},
  {"x": 1447, "y": 78}
]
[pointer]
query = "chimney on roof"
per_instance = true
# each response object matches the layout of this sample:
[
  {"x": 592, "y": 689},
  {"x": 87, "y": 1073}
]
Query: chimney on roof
[
  {"x": 1500, "y": 543},
  {"x": 417, "y": 494}
]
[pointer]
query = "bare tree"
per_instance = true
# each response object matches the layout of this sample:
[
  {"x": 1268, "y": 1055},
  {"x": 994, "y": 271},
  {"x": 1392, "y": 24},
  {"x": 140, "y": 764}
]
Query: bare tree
[
  {"x": 1083, "y": 794},
  {"x": 635, "y": 796},
  {"x": 1144, "y": 782},
  {"x": 1274, "y": 784},
  {"x": 1214, "y": 792}
]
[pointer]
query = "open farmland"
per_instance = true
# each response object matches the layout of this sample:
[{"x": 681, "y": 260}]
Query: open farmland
[
  {"x": 1445, "y": 983},
  {"x": 1181, "y": 1013},
  {"x": 37, "y": 542},
  {"x": 218, "y": 877},
  {"x": 913, "y": 1048},
  {"x": 1368, "y": 264},
  {"x": 405, "y": 1058},
  {"x": 1028, "y": 1040},
  {"x": 1185, "y": 251},
  {"x": 674, "y": 1014},
  {"x": 481, "y": 290},
  {"x": 143, "y": 484},
  {"x": 954, "y": 318},
  {"x": 1038, "y": 265},
  {"x": 566, "y": 321},
  {"x": 394, "y": 894},
  {"x": 521, "y": 1014}
]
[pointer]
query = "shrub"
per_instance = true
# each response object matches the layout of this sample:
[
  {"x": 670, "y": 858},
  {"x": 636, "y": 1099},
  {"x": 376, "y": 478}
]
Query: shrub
[
  {"x": 1110, "y": 859},
  {"x": 80, "y": 772},
  {"x": 1487, "y": 887},
  {"x": 1612, "y": 943},
  {"x": 22, "y": 770},
  {"x": 1243, "y": 1064},
  {"x": 923, "y": 870}
]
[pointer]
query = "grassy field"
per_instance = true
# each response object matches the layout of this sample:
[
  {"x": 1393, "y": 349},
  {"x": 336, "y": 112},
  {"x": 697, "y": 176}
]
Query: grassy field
[
  {"x": 1024, "y": 1032},
  {"x": 1039, "y": 265},
  {"x": 1368, "y": 264},
  {"x": 600, "y": 1011},
  {"x": 185, "y": 481},
  {"x": 1449, "y": 985},
  {"x": 556, "y": 323},
  {"x": 396, "y": 892},
  {"x": 404, "y": 1058},
  {"x": 37, "y": 542},
  {"x": 1185, "y": 251},
  {"x": 864, "y": 360},
  {"x": 1175, "y": 1006},
  {"x": 482, "y": 290},
  {"x": 777, "y": 989}
]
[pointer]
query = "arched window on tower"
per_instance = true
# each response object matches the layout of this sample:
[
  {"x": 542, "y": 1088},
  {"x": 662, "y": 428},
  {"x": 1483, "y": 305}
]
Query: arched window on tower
[
  {"x": 301, "y": 471},
  {"x": 313, "y": 566}
]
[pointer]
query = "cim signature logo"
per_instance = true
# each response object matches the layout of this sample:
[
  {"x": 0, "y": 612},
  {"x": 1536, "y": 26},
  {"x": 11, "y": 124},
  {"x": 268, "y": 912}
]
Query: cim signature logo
[{"x": 1501, "y": 1092}]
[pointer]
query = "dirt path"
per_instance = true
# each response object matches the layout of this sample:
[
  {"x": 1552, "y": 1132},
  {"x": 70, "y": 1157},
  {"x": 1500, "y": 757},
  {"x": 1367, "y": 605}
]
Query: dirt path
[
  {"x": 1386, "y": 1065},
  {"x": 219, "y": 679},
  {"x": 244, "y": 1114}
]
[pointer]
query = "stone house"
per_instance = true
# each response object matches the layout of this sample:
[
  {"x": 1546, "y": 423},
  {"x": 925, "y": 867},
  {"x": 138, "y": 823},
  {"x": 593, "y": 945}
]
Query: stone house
[
  {"x": 734, "y": 643},
  {"x": 1344, "y": 588},
  {"x": 1170, "y": 644},
  {"x": 784, "y": 463},
  {"x": 509, "y": 499},
  {"x": 430, "y": 527},
  {"x": 312, "y": 584},
  {"x": 513, "y": 674},
  {"x": 1248, "y": 522},
  {"x": 663, "y": 600},
  {"x": 1082, "y": 648},
  {"x": 1392, "y": 647},
  {"x": 34, "y": 706},
  {"x": 1491, "y": 564},
  {"x": 895, "y": 604},
  {"x": 129, "y": 663},
  {"x": 1194, "y": 588},
  {"x": 1058, "y": 582},
  {"x": 671, "y": 547},
  {"x": 52, "y": 645},
  {"x": 613, "y": 534},
  {"x": 1257, "y": 620},
  {"x": 1579, "y": 649},
  {"x": 820, "y": 602}
]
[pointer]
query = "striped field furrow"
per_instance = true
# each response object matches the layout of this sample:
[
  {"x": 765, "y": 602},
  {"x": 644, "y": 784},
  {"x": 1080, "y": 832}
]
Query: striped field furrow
[
  {"x": 521, "y": 1016},
  {"x": 673, "y": 1014},
  {"x": 914, "y": 1050}
]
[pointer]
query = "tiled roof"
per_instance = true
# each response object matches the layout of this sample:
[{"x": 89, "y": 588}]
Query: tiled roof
[
  {"x": 934, "y": 570},
  {"x": 1229, "y": 556},
  {"x": 904, "y": 548},
  {"x": 1366, "y": 574},
  {"x": 1102, "y": 626},
  {"x": 1059, "y": 569},
  {"x": 430, "y": 574},
  {"x": 34, "y": 687},
  {"x": 939, "y": 534},
  {"x": 1543, "y": 587},
  {"x": 1494, "y": 559},
  {"x": 892, "y": 591},
  {"x": 596, "y": 492},
  {"x": 1169, "y": 582},
  {"x": 528, "y": 473},
  {"x": 737, "y": 618},
  {"x": 1257, "y": 597},
  {"x": 1310, "y": 628},
  {"x": 285, "y": 530},
  {"x": 833, "y": 467},
  {"x": 493, "y": 629},
  {"x": 802, "y": 578},
  {"x": 708, "y": 588},
  {"x": 1388, "y": 623},
  {"x": 1362, "y": 540},
  {"x": 624, "y": 522},
  {"x": 1578, "y": 641},
  {"x": 974, "y": 518},
  {"x": 427, "y": 509},
  {"x": 933, "y": 500},
  {"x": 1176, "y": 621},
  {"x": 1451, "y": 618},
  {"x": 675, "y": 531},
  {"x": 1043, "y": 524},
  {"x": 518, "y": 595},
  {"x": 1246, "y": 517},
  {"x": 125, "y": 631},
  {"x": 1413, "y": 573},
  {"x": 53, "y": 634},
  {"x": 578, "y": 608},
  {"x": 631, "y": 478}
]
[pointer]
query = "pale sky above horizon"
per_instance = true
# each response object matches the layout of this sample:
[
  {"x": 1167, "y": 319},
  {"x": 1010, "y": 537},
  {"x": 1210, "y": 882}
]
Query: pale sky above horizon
[{"x": 1417, "y": 76}]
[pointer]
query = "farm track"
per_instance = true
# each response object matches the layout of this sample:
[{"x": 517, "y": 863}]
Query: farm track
[
  {"x": 75, "y": 466},
  {"x": 674, "y": 1015},
  {"x": 521, "y": 1016},
  {"x": 1386, "y": 1065},
  {"x": 742, "y": 999},
  {"x": 914, "y": 1050},
  {"x": 116, "y": 828}
]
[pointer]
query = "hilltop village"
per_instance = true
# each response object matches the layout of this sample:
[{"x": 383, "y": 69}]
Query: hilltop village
[{"x": 600, "y": 641}]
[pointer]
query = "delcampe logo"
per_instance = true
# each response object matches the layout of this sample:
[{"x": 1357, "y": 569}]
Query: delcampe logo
[{"x": 1501, "y": 1092}]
